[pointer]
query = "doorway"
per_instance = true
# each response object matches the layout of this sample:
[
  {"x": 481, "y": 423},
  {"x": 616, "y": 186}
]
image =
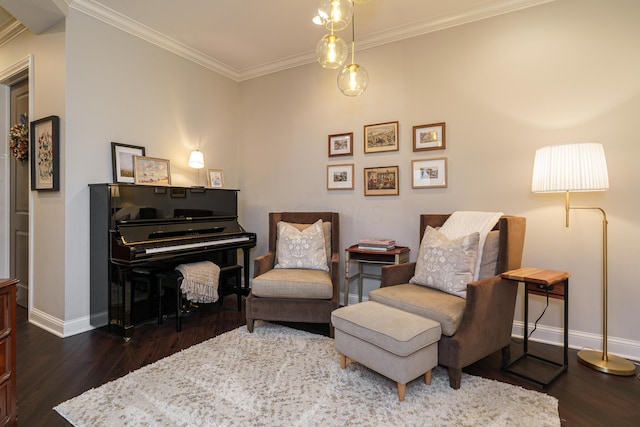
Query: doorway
[{"x": 18, "y": 186}]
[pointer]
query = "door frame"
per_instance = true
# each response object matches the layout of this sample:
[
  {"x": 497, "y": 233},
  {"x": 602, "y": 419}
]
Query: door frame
[{"x": 6, "y": 77}]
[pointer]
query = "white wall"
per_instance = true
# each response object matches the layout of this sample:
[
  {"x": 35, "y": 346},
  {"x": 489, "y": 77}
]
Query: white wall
[{"x": 558, "y": 73}]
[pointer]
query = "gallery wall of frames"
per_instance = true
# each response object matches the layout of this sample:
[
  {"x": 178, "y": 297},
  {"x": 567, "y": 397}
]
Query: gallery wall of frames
[{"x": 384, "y": 180}]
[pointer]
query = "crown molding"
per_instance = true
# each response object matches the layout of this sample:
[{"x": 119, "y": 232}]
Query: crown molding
[
  {"x": 10, "y": 31},
  {"x": 135, "y": 28},
  {"x": 418, "y": 28}
]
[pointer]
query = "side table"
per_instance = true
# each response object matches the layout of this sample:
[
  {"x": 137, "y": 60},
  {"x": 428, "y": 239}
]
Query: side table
[
  {"x": 398, "y": 255},
  {"x": 550, "y": 284}
]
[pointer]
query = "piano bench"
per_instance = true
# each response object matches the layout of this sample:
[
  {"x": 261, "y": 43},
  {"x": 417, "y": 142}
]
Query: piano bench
[{"x": 173, "y": 279}]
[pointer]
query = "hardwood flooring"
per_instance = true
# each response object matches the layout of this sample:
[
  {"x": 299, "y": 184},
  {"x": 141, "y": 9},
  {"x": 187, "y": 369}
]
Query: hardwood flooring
[{"x": 51, "y": 370}]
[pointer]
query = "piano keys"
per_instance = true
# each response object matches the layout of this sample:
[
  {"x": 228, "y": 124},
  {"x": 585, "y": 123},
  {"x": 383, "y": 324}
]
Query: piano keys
[{"x": 138, "y": 231}]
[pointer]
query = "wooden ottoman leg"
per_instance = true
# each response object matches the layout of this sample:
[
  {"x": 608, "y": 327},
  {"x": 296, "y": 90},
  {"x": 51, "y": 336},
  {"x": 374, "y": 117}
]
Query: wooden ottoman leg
[
  {"x": 401, "y": 390},
  {"x": 343, "y": 361},
  {"x": 427, "y": 377}
]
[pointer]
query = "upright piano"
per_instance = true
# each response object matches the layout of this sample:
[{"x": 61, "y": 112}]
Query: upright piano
[{"x": 140, "y": 231}]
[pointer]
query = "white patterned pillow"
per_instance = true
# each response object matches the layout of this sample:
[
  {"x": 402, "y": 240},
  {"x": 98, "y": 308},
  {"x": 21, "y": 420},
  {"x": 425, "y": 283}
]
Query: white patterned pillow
[
  {"x": 447, "y": 265},
  {"x": 301, "y": 249}
]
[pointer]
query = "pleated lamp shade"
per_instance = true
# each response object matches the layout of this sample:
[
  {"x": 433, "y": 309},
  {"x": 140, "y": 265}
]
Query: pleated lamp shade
[{"x": 570, "y": 167}]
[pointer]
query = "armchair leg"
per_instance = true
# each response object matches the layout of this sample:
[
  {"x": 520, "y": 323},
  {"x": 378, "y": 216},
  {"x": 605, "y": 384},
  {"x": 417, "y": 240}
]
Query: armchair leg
[
  {"x": 455, "y": 378},
  {"x": 331, "y": 331},
  {"x": 250, "y": 325},
  {"x": 506, "y": 355}
]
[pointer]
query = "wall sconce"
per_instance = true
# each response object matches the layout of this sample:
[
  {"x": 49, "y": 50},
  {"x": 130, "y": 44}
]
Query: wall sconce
[{"x": 581, "y": 167}]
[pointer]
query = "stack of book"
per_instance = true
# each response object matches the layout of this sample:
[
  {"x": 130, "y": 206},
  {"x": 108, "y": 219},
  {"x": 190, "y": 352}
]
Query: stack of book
[{"x": 376, "y": 244}]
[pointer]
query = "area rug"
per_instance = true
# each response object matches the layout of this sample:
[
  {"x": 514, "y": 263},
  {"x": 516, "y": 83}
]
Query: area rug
[{"x": 280, "y": 376}]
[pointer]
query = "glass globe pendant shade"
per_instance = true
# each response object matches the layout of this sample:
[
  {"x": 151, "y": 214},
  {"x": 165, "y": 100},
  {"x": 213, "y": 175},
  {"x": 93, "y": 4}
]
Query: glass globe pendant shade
[
  {"x": 353, "y": 80},
  {"x": 336, "y": 14},
  {"x": 331, "y": 52}
]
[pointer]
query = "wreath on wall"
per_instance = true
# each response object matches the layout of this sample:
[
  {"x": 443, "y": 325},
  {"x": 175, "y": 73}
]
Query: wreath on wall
[{"x": 19, "y": 139}]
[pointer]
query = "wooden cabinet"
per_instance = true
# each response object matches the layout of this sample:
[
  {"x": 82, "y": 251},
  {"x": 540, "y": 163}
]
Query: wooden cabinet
[{"x": 8, "y": 352}]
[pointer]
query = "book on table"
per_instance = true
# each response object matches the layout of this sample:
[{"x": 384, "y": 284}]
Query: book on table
[{"x": 371, "y": 244}]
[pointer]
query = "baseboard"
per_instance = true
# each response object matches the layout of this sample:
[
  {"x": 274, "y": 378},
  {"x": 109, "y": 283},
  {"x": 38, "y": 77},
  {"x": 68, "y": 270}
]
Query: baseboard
[
  {"x": 57, "y": 326},
  {"x": 551, "y": 335}
]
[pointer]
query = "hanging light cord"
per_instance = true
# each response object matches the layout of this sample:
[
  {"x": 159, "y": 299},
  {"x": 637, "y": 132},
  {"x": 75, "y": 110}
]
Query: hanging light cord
[{"x": 353, "y": 34}]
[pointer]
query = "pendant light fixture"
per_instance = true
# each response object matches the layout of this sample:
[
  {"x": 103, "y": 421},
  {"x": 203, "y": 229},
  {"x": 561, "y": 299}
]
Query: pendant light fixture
[
  {"x": 331, "y": 51},
  {"x": 353, "y": 79},
  {"x": 335, "y": 15}
]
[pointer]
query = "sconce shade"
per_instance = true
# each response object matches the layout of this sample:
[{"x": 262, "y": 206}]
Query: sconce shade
[
  {"x": 353, "y": 80},
  {"x": 196, "y": 160},
  {"x": 335, "y": 14},
  {"x": 570, "y": 167},
  {"x": 331, "y": 51}
]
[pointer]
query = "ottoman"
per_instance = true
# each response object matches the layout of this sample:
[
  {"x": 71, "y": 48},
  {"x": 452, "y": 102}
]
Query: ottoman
[{"x": 397, "y": 344}]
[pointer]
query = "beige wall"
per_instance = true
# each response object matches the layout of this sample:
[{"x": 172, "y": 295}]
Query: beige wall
[{"x": 557, "y": 73}]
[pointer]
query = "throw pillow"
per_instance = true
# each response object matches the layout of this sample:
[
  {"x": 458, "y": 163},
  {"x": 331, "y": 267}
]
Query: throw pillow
[
  {"x": 301, "y": 249},
  {"x": 447, "y": 265}
]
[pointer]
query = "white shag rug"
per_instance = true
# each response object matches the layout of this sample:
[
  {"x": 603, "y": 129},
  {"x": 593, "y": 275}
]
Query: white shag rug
[{"x": 280, "y": 376}]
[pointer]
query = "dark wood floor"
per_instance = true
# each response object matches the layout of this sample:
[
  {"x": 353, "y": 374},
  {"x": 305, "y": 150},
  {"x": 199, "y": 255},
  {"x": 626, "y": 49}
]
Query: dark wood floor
[{"x": 51, "y": 370}]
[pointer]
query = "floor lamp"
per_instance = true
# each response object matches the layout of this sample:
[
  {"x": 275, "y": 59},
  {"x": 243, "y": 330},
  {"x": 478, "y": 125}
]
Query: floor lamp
[{"x": 581, "y": 167}]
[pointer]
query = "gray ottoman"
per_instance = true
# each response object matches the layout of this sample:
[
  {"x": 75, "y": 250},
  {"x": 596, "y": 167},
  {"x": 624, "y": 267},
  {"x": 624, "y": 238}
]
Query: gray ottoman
[{"x": 399, "y": 345}]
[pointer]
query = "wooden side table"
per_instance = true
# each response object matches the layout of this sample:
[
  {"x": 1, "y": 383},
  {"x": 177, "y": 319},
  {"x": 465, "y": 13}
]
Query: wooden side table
[
  {"x": 398, "y": 255},
  {"x": 550, "y": 284}
]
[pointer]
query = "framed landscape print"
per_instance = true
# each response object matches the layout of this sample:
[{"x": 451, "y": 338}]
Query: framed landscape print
[
  {"x": 340, "y": 177},
  {"x": 45, "y": 154},
  {"x": 429, "y": 137},
  {"x": 215, "y": 178},
  {"x": 341, "y": 145},
  {"x": 429, "y": 173},
  {"x": 151, "y": 171},
  {"x": 122, "y": 159},
  {"x": 381, "y": 137},
  {"x": 381, "y": 181}
]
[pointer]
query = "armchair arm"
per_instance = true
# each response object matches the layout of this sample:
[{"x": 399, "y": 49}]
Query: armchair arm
[
  {"x": 397, "y": 274},
  {"x": 263, "y": 263},
  {"x": 486, "y": 323},
  {"x": 334, "y": 271}
]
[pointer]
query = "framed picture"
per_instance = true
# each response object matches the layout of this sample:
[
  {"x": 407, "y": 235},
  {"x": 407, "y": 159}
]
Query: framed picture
[
  {"x": 151, "y": 171},
  {"x": 122, "y": 159},
  {"x": 340, "y": 177},
  {"x": 45, "y": 154},
  {"x": 381, "y": 181},
  {"x": 178, "y": 192},
  {"x": 429, "y": 173},
  {"x": 429, "y": 137},
  {"x": 381, "y": 137},
  {"x": 215, "y": 178},
  {"x": 341, "y": 145}
]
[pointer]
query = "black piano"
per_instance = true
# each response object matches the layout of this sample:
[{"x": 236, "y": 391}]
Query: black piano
[{"x": 139, "y": 232}]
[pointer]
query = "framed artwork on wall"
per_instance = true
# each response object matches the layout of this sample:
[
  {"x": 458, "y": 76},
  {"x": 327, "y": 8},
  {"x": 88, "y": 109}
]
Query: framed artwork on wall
[
  {"x": 381, "y": 137},
  {"x": 215, "y": 178},
  {"x": 122, "y": 161},
  {"x": 341, "y": 145},
  {"x": 429, "y": 137},
  {"x": 429, "y": 173},
  {"x": 151, "y": 171},
  {"x": 45, "y": 154},
  {"x": 381, "y": 181},
  {"x": 340, "y": 177}
]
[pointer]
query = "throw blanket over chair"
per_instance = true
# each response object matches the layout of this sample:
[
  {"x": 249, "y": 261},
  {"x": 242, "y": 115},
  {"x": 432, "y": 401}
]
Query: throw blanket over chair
[
  {"x": 476, "y": 315},
  {"x": 298, "y": 279}
]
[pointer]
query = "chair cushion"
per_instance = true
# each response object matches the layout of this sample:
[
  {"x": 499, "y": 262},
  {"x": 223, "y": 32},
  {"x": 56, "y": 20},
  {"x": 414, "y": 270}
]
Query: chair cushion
[
  {"x": 447, "y": 265},
  {"x": 489, "y": 262},
  {"x": 301, "y": 249},
  {"x": 433, "y": 304},
  {"x": 293, "y": 283}
]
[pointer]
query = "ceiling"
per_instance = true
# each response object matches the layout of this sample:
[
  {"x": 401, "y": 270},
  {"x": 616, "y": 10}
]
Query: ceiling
[{"x": 247, "y": 38}]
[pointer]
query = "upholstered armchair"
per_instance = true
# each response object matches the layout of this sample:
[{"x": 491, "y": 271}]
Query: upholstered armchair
[
  {"x": 290, "y": 284},
  {"x": 477, "y": 326}
]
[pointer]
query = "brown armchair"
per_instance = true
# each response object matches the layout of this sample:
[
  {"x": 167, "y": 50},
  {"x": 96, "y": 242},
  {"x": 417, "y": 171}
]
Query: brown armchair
[
  {"x": 477, "y": 326},
  {"x": 296, "y": 295}
]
